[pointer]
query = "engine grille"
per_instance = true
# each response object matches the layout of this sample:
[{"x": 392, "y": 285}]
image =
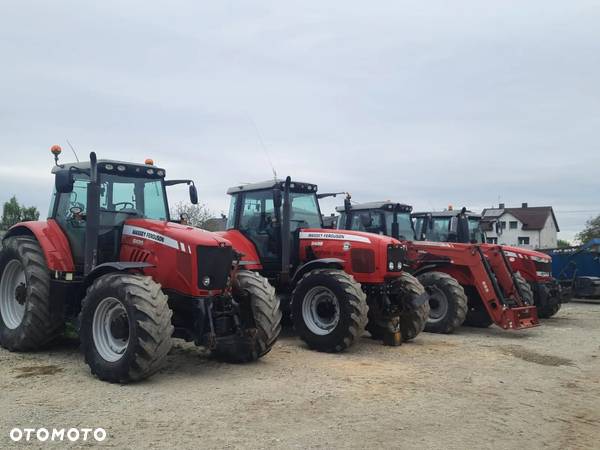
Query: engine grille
[
  {"x": 543, "y": 266},
  {"x": 363, "y": 260},
  {"x": 215, "y": 263}
]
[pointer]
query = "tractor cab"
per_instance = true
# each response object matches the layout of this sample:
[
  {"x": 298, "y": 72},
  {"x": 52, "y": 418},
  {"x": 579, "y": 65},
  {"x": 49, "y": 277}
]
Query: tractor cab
[
  {"x": 387, "y": 218},
  {"x": 271, "y": 214},
  {"x": 449, "y": 226},
  {"x": 93, "y": 200}
]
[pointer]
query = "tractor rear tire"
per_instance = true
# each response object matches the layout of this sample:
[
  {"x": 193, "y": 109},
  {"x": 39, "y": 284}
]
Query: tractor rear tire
[
  {"x": 525, "y": 289},
  {"x": 329, "y": 310},
  {"x": 412, "y": 320},
  {"x": 260, "y": 319},
  {"x": 27, "y": 321},
  {"x": 125, "y": 327},
  {"x": 447, "y": 300}
]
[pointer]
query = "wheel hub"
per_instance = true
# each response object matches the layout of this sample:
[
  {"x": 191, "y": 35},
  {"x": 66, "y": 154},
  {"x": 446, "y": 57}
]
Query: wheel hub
[
  {"x": 21, "y": 294},
  {"x": 13, "y": 294},
  {"x": 320, "y": 310},
  {"x": 110, "y": 329},
  {"x": 438, "y": 304}
]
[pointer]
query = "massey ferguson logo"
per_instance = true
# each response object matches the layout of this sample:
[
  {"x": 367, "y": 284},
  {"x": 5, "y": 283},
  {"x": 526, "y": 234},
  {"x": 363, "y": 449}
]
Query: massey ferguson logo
[
  {"x": 334, "y": 237},
  {"x": 148, "y": 235}
]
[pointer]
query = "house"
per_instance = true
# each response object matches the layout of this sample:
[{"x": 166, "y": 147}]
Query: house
[{"x": 527, "y": 226}]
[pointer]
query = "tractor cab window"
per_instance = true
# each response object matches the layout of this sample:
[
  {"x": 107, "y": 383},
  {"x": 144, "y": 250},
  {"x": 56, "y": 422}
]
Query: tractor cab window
[
  {"x": 258, "y": 221},
  {"x": 405, "y": 227},
  {"x": 476, "y": 235},
  {"x": 440, "y": 231},
  {"x": 419, "y": 221},
  {"x": 232, "y": 210},
  {"x": 304, "y": 211},
  {"x": 369, "y": 221},
  {"x": 132, "y": 197}
]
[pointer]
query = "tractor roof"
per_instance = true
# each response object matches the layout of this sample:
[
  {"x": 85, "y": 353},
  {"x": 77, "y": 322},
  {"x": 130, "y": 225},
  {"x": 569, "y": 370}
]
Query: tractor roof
[
  {"x": 385, "y": 205},
  {"x": 113, "y": 166},
  {"x": 296, "y": 186},
  {"x": 452, "y": 213}
]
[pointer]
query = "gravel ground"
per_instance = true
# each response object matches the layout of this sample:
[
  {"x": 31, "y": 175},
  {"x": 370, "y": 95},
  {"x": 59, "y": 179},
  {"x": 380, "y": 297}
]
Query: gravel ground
[{"x": 473, "y": 389}]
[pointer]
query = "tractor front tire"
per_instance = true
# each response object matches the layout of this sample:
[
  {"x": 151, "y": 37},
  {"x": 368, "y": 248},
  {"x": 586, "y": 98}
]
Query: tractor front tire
[
  {"x": 260, "y": 319},
  {"x": 547, "y": 311},
  {"x": 525, "y": 289},
  {"x": 125, "y": 327},
  {"x": 411, "y": 319},
  {"x": 447, "y": 301},
  {"x": 27, "y": 321},
  {"x": 329, "y": 310}
]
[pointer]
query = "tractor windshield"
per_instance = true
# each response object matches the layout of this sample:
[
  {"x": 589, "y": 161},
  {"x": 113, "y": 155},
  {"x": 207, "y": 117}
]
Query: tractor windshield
[
  {"x": 476, "y": 234},
  {"x": 143, "y": 197},
  {"x": 405, "y": 227},
  {"x": 305, "y": 211}
]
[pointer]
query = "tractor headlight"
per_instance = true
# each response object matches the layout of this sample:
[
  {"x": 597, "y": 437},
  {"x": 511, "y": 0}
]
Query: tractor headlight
[
  {"x": 399, "y": 265},
  {"x": 391, "y": 265},
  {"x": 206, "y": 281}
]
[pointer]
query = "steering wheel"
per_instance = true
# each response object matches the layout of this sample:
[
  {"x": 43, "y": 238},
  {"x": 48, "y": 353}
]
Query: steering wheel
[{"x": 124, "y": 205}]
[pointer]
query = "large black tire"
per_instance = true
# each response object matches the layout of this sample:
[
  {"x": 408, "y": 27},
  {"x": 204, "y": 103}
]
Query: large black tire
[
  {"x": 27, "y": 321},
  {"x": 525, "y": 289},
  {"x": 412, "y": 320},
  {"x": 260, "y": 319},
  {"x": 548, "y": 310},
  {"x": 141, "y": 313},
  {"x": 447, "y": 301},
  {"x": 329, "y": 310}
]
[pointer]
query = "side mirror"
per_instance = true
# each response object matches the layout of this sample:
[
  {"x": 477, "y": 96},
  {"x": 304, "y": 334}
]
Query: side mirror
[
  {"x": 193, "y": 194},
  {"x": 462, "y": 231},
  {"x": 64, "y": 181}
]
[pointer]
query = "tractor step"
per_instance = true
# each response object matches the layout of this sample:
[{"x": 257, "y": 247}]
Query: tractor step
[{"x": 519, "y": 318}]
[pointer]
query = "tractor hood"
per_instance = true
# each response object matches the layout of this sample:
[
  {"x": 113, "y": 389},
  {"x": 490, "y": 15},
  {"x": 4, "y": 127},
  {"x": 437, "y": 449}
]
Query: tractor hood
[
  {"x": 531, "y": 254},
  {"x": 172, "y": 234},
  {"x": 346, "y": 236}
]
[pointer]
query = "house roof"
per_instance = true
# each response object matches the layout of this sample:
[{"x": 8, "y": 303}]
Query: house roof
[{"x": 532, "y": 217}]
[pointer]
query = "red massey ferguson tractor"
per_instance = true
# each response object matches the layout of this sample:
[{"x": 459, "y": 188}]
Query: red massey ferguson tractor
[
  {"x": 466, "y": 227},
  {"x": 465, "y": 284},
  {"x": 109, "y": 259},
  {"x": 330, "y": 281}
]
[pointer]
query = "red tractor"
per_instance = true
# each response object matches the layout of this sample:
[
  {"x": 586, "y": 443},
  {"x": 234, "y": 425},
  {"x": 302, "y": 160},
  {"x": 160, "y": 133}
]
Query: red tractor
[
  {"x": 465, "y": 226},
  {"x": 330, "y": 281},
  {"x": 109, "y": 259},
  {"x": 465, "y": 284}
]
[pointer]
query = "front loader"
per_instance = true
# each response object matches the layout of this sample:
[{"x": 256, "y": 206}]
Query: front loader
[
  {"x": 532, "y": 266},
  {"x": 465, "y": 284},
  {"x": 110, "y": 260},
  {"x": 330, "y": 282}
]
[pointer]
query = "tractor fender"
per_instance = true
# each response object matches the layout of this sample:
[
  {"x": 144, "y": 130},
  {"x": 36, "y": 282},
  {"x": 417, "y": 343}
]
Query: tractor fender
[
  {"x": 52, "y": 240},
  {"x": 329, "y": 263},
  {"x": 427, "y": 268},
  {"x": 116, "y": 266}
]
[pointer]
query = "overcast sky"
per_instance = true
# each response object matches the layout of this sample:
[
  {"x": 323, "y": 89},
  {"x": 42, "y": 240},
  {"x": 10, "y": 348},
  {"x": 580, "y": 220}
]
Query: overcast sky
[{"x": 429, "y": 103}]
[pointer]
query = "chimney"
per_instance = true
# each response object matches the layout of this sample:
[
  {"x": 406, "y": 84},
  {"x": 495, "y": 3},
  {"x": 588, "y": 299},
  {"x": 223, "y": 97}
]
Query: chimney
[
  {"x": 501, "y": 206},
  {"x": 523, "y": 205}
]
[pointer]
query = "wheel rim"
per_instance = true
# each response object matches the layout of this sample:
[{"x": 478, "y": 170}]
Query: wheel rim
[
  {"x": 320, "y": 310},
  {"x": 110, "y": 329},
  {"x": 438, "y": 305},
  {"x": 13, "y": 294}
]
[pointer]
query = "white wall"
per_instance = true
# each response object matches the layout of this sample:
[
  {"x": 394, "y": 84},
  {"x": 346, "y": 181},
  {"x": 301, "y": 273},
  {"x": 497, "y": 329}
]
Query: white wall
[{"x": 545, "y": 238}]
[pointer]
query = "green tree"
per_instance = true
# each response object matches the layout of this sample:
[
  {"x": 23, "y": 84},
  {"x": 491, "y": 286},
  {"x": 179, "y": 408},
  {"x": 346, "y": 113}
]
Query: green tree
[
  {"x": 562, "y": 243},
  {"x": 13, "y": 213},
  {"x": 591, "y": 230}
]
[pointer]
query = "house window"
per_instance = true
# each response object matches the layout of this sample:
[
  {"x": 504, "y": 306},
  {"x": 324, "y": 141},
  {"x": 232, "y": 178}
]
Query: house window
[
  {"x": 502, "y": 225},
  {"x": 492, "y": 240},
  {"x": 512, "y": 224},
  {"x": 523, "y": 240}
]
